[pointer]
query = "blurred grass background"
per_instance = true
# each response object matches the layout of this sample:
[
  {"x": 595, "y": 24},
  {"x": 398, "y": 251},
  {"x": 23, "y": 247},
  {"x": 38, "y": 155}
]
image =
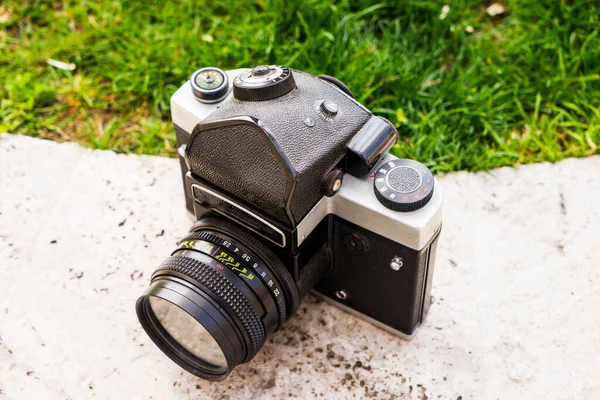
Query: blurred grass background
[{"x": 466, "y": 89}]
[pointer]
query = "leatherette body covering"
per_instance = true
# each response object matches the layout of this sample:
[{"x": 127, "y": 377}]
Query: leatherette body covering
[{"x": 239, "y": 162}]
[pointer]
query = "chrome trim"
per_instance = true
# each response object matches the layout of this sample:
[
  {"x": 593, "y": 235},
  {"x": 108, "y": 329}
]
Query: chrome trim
[
  {"x": 245, "y": 210},
  {"x": 181, "y": 153},
  {"x": 323, "y": 208},
  {"x": 366, "y": 318},
  {"x": 186, "y": 111},
  {"x": 356, "y": 202}
]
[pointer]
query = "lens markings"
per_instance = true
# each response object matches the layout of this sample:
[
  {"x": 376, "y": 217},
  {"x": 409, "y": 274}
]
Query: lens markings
[{"x": 216, "y": 250}]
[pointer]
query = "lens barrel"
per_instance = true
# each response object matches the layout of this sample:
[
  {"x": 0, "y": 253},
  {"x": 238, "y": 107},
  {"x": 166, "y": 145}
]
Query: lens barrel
[{"x": 231, "y": 284}]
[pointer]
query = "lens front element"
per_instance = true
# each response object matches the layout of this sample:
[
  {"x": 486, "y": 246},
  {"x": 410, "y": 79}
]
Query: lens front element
[
  {"x": 212, "y": 304},
  {"x": 188, "y": 332}
]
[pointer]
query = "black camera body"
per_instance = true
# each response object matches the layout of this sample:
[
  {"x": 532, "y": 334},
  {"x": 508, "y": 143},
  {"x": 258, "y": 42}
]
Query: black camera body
[{"x": 295, "y": 162}]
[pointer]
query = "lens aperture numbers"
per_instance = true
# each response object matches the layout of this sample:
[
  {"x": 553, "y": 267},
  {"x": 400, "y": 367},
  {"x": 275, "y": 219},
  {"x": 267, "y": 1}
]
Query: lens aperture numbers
[{"x": 240, "y": 261}]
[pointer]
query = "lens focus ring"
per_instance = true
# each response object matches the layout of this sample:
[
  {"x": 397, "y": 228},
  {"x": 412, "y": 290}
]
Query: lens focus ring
[{"x": 227, "y": 293}]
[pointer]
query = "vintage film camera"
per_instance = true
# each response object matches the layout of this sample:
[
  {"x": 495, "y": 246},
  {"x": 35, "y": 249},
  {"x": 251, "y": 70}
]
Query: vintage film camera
[{"x": 292, "y": 189}]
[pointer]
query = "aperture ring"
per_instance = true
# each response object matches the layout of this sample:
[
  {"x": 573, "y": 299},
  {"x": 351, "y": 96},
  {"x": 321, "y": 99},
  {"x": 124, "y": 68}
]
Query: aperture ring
[
  {"x": 277, "y": 297},
  {"x": 222, "y": 226},
  {"x": 226, "y": 292}
]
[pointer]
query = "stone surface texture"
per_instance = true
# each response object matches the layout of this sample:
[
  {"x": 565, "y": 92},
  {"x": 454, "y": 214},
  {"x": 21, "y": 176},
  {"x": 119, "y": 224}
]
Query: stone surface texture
[{"x": 516, "y": 310}]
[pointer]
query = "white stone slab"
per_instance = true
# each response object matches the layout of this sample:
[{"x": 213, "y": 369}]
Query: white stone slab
[{"x": 516, "y": 311}]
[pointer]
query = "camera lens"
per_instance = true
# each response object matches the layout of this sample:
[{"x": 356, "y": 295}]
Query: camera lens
[{"x": 213, "y": 303}]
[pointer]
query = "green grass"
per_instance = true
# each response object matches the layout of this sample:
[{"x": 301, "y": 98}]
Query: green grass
[{"x": 466, "y": 92}]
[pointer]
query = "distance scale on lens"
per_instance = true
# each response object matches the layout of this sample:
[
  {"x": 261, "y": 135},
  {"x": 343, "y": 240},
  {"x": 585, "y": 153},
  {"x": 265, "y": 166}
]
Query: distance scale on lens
[{"x": 209, "y": 85}]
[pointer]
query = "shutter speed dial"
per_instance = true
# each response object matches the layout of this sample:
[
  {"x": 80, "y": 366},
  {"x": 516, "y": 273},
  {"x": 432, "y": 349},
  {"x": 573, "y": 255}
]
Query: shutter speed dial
[
  {"x": 264, "y": 82},
  {"x": 403, "y": 185}
]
